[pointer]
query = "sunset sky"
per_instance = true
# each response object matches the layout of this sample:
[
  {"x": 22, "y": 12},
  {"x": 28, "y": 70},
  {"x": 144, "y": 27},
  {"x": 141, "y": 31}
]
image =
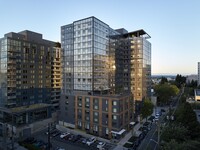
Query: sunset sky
[{"x": 174, "y": 25}]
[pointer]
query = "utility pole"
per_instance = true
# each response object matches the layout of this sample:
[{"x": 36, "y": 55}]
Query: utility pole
[
  {"x": 4, "y": 142},
  {"x": 49, "y": 137},
  {"x": 158, "y": 134}
]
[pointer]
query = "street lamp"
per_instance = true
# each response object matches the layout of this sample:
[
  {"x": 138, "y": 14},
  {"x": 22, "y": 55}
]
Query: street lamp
[{"x": 154, "y": 141}]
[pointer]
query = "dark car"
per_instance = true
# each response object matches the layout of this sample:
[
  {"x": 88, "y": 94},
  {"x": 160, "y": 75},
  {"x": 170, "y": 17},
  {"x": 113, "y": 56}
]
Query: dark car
[
  {"x": 142, "y": 136},
  {"x": 67, "y": 136},
  {"x": 136, "y": 142},
  {"x": 71, "y": 137},
  {"x": 84, "y": 140},
  {"x": 162, "y": 110},
  {"x": 30, "y": 140},
  {"x": 76, "y": 138},
  {"x": 55, "y": 133}
]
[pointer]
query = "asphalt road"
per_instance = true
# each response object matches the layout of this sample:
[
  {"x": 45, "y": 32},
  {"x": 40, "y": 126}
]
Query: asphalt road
[{"x": 146, "y": 142}]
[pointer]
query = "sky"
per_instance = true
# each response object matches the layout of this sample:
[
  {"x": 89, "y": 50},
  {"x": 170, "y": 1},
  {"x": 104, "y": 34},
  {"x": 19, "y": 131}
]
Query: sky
[{"x": 174, "y": 25}]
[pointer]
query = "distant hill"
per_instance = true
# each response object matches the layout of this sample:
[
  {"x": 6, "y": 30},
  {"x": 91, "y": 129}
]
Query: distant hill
[{"x": 166, "y": 76}]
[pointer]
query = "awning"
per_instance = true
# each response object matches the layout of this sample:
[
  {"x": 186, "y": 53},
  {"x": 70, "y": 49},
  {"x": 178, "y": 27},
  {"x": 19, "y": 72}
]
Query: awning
[
  {"x": 120, "y": 132},
  {"x": 132, "y": 123}
]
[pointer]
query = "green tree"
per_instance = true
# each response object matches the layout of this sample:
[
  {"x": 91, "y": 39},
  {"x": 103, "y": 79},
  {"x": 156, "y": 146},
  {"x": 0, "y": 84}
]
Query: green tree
[
  {"x": 187, "y": 117},
  {"x": 163, "y": 80},
  {"x": 172, "y": 145},
  {"x": 165, "y": 92},
  {"x": 187, "y": 145},
  {"x": 57, "y": 44},
  {"x": 180, "y": 80},
  {"x": 174, "y": 131},
  {"x": 147, "y": 108}
]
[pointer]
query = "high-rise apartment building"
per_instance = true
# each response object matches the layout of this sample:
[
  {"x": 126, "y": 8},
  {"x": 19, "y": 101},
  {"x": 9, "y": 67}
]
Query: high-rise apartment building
[
  {"x": 133, "y": 63},
  {"x": 104, "y": 72},
  {"x": 30, "y": 83}
]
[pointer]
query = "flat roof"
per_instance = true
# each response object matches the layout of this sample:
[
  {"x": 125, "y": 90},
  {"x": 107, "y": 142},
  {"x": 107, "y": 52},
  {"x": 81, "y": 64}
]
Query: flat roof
[
  {"x": 81, "y": 93},
  {"x": 25, "y": 108},
  {"x": 138, "y": 33}
]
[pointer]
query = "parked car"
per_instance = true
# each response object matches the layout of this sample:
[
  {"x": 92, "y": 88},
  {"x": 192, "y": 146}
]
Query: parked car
[
  {"x": 55, "y": 133},
  {"x": 101, "y": 145},
  {"x": 76, "y": 138},
  {"x": 30, "y": 140},
  {"x": 136, "y": 142},
  {"x": 162, "y": 110},
  {"x": 91, "y": 140},
  {"x": 142, "y": 136},
  {"x": 145, "y": 130},
  {"x": 64, "y": 135},
  {"x": 67, "y": 136},
  {"x": 148, "y": 125},
  {"x": 71, "y": 137},
  {"x": 84, "y": 140}
]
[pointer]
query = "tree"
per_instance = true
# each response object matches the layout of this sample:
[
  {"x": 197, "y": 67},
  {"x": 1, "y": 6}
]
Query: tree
[
  {"x": 187, "y": 145},
  {"x": 180, "y": 80},
  {"x": 165, "y": 92},
  {"x": 172, "y": 145},
  {"x": 174, "y": 131},
  {"x": 147, "y": 108},
  {"x": 187, "y": 117},
  {"x": 163, "y": 80},
  {"x": 57, "y": 44}
]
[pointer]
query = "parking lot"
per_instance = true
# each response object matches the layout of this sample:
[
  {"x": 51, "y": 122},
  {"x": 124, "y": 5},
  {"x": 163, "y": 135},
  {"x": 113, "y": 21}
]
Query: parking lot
[{"x": 68, "y": 141}]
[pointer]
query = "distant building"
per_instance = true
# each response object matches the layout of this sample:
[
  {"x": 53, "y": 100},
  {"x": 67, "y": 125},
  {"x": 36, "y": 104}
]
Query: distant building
[
  {"x": 104, "y": 71},
  {"x": 191, "y": 77},
  {"x": 30, "y": 83},
  {"x": 197, "y": 94},
  {"x": 198, "y": 73}
]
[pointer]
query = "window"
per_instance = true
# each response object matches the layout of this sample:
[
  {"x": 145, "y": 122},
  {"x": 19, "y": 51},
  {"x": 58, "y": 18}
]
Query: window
[
  {"x": 87, "y": 100},
  {"x": 96, "y": 113},
  {"x": 95, "y": 120},
  {"x": 114, "y": 110},
  {"x": 114, "y": 103},
  {"x": 96, "y": 107},
  {"x": 106, "y": 108},
  {"x": 114, "y": 117},
  {"x": 107, "y": 131}
]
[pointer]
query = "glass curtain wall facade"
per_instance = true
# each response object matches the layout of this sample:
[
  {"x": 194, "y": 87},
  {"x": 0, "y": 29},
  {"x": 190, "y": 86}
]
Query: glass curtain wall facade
[
  {"x": 140, "y": 68},
  {"x": 132, "y": 58},
  {"x": 67, "y": 43},
  {"x": 100, "y": 61},
  {"x": 3, "y": 71},
  {"x": 86, "y": 51}
]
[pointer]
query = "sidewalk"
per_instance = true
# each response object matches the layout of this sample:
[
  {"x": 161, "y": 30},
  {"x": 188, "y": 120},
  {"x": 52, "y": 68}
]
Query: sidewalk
[
  {"x": 136, "y": 127},
  {"x": 128, "y": 136}
]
